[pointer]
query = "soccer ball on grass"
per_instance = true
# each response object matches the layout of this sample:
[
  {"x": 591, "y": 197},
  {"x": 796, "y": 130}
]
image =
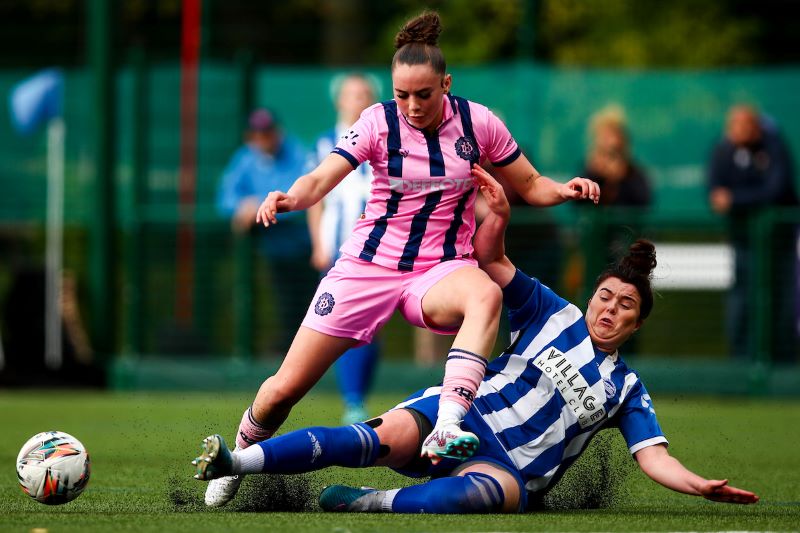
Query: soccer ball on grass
[{"x": 53, "y": 467}]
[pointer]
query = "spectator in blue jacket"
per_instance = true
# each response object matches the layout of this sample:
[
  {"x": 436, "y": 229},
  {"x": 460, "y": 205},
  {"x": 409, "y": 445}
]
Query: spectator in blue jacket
[{"x": 271, "y": 160}]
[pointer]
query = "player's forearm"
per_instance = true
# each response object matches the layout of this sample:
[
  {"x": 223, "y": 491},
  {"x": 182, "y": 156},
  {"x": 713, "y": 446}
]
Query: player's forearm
[
  {"x": 543, "y": 192},
  {"x": 308, "y": 190},
  {"x": 489, "y": 242},
  {"x": 489, "y": 245},
  {"x": 656, "y": 462},
  {"x": 534, "y": 188},
  {"x": 669, "y": 472},
  {"x": 312, "y": 187}
]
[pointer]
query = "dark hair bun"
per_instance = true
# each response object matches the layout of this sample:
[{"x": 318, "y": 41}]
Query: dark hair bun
[
  {"x": 424, "y": 29},
  {"x": 641, "y": 258}
]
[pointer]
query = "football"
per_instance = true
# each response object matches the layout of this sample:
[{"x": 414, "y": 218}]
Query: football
[{"x": 53, "y": 467}]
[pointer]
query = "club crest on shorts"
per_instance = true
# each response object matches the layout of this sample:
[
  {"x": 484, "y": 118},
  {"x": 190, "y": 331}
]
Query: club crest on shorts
[
  {"x": 465, "y": 148},
  {"x": 324, "y": 304}
]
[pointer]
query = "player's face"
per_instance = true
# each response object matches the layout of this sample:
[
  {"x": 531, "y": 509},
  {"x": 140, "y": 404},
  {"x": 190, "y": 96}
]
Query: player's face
[
  {"x": 418, "y": 91},
  {"x": 613, "y": 314}
]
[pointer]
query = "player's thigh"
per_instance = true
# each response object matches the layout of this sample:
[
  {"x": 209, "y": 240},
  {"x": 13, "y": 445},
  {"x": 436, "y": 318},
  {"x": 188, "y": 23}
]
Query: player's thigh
[
  {"x": 355, "y": 299},
  {"x": 450, "y": 298},
  {"x": 509, "y": 484},
  {"x": 399, "y": 437}
]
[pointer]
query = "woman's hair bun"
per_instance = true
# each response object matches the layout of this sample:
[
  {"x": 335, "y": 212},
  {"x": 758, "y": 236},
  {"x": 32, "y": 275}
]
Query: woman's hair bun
[
  {"x": 641, "y": 258},
  {"x": 423, "y": 29}
]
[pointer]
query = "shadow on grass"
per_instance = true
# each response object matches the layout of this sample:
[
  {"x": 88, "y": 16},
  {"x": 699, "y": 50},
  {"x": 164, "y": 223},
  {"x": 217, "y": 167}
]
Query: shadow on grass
[
  {"x": 595, "y": 481},
  {"x": 257, "y": 494}
]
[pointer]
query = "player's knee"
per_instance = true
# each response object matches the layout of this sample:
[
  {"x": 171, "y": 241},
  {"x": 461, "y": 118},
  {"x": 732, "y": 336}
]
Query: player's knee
[
  {"x": 279, "y": 395},
  {"x": 474, "y": 492},
  {"x": 486, "y": 300},
  {"x": 482, "y": 494}
]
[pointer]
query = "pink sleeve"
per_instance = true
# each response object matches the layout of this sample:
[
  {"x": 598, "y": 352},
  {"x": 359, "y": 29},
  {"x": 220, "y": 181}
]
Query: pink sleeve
[
  {"x": 356, "y": 144},
  {"x": 496, "y": 142}
]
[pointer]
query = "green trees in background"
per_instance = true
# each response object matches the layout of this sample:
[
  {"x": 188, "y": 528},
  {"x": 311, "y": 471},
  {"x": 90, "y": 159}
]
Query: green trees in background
[
  {"x": 629, "y": 33},
  {"x": 597, "y": 33},
  {"x": 476, "y": 31},
  {"x": 606, "y": 33}
]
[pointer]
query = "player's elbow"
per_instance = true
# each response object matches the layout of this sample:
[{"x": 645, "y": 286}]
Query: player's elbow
[{"x": 651, "y": 458}]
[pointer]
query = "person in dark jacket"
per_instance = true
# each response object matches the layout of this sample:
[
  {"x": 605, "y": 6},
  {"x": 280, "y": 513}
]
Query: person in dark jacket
[{"x": 751, "y": 170}]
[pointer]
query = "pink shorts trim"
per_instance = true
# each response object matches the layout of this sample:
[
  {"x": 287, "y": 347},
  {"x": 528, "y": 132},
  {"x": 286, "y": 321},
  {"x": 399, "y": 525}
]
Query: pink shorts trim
[{"x": 356, "y": 298}]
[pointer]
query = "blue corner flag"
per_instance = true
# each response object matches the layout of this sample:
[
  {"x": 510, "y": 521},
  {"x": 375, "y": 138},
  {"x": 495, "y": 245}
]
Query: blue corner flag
[{"x": 36, "y": 100}]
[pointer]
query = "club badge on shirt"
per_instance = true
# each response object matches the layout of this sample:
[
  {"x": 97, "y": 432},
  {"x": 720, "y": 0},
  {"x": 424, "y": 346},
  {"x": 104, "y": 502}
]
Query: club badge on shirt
[{"x": 465, "y": 148}]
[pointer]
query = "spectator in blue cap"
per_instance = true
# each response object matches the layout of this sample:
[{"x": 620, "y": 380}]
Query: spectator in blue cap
[{"x": 271, "y": 159}]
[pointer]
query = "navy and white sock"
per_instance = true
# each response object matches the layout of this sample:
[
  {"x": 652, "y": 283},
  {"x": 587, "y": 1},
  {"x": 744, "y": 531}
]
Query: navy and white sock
[
  {"x": 472, "y": 493},
  {"x": 309, "y": 449}
]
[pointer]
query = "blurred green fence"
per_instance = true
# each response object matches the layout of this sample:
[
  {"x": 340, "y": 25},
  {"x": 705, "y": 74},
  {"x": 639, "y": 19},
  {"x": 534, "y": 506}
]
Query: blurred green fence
[{"x": 674, "y": 118}]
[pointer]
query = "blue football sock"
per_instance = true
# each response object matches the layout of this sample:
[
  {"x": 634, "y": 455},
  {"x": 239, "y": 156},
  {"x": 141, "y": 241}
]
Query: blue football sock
[
  {"x": 354, "y": 372},
  {"x": 310, "y": 449},
  {"x": 472, "y": 493}
]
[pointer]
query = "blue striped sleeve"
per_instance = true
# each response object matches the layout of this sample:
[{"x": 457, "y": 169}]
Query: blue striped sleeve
[
  {"x": 637, "y": 420},
  {"x": 528, "y": 300},
  {"x": 517, "y": 292}
]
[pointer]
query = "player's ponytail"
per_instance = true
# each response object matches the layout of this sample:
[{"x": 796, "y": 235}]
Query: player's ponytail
[
  {"x": 417, "y": 43},
  {"x": 636, "y": 268}
]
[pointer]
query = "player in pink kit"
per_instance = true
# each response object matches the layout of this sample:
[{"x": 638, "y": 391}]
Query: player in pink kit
[{"x": 412, "y": 249}]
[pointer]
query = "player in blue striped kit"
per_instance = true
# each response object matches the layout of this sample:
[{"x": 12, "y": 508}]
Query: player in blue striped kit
[
  {"x": 331, "y": 222},
  {"x": 560, "y": 381}
]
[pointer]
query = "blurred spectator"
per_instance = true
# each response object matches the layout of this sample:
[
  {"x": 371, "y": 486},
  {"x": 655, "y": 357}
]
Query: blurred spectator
[
  {"x": 623, "y": 183},
  {"x": 331, "y": 222},
  {"x": 609, "y": 163},
  {"x": 272, "y": 160},
  {"x": 751, "y": 170}
]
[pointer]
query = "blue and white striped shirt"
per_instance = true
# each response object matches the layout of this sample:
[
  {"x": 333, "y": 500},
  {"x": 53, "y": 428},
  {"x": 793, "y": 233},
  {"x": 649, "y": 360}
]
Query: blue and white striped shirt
[
  {"x": 551, "y": 390},
  {"x": 345, "y": 204}
]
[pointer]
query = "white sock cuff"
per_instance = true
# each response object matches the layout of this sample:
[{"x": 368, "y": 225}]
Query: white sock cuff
[
  {"x": 388, "y": 500},
  {"x": 450, "y": 412},
  {"x": 250, "y": 460}
]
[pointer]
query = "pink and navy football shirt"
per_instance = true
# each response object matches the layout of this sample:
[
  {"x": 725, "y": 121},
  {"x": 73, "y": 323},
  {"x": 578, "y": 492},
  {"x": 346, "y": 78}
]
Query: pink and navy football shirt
[{"x": 421, "y": 210}]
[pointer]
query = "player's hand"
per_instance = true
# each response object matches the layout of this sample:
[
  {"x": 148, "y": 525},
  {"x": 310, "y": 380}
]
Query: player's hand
[
  {"x": 719, "y": 491},
  {"x": 581, "y": 189},
  {"x": 492, "y": 191},
  {"x": 275, "y": 202}
]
